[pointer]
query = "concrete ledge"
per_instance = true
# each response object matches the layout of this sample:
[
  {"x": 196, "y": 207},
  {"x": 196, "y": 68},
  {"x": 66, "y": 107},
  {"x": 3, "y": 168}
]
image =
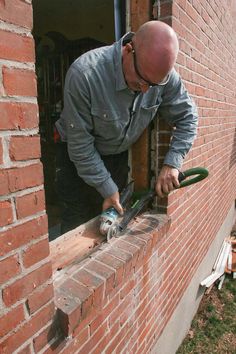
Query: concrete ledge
[{"x": 84, "y": 287}]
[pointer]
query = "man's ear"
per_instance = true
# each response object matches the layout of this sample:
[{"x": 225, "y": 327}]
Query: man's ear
[{"x": 128, "y": 47}]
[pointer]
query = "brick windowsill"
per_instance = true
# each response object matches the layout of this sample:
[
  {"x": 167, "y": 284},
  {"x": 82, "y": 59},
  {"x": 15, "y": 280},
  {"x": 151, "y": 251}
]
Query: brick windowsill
[
  {"x": 85, "y": 286},
  {"x": 75, "y": 245}
]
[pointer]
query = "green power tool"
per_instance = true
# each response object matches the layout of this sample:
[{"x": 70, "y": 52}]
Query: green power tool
[{"x": 110, "y": 221}]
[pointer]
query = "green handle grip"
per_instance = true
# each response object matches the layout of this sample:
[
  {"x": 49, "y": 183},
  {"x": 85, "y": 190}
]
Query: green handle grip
[{"x": 199, "y": 172}]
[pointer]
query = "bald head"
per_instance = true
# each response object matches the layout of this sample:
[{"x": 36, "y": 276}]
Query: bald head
[{"x": 156, "y": 46}]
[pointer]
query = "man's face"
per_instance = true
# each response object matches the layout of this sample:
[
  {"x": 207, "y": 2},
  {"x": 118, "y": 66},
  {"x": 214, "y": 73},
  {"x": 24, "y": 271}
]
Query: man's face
[{"x": 140, "y": 80}]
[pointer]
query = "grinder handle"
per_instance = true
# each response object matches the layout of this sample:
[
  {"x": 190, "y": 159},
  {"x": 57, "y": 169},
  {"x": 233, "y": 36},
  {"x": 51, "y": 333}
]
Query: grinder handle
[{"x": 199, "y": 172}]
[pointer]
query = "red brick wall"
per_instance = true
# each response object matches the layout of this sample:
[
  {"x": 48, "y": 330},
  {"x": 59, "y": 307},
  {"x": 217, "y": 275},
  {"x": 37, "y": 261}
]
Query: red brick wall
[
  {"x": 122, "y": 297},
  {"x": 25, "y": 268},
  {"x": 207, "y": 63}
]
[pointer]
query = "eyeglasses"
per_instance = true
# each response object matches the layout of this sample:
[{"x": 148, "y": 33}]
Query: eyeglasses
[{"x": 150, "y": 84}]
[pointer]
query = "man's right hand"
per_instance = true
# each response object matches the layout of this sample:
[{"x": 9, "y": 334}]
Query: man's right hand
[{"x": 113, "y": 201}]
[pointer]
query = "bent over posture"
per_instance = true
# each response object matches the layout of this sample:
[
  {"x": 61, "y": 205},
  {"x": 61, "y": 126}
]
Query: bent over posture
[{"x": 111, "y": 95}]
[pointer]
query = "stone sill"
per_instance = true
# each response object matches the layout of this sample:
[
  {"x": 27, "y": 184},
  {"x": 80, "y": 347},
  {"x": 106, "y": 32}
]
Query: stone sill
[{"x": 85, "y": 286}]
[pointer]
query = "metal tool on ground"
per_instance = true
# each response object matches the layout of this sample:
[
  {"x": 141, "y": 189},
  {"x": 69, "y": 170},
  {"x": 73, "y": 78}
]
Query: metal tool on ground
[{"x": 112, "y": 225}]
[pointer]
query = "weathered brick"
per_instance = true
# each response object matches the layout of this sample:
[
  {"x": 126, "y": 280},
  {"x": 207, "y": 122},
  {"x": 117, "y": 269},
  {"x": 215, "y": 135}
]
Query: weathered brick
[
  {"x": 20, "y": 235},
  {"x": 25, "y": 177},
  {"x": 24, "y": 148},
  {"x": 104, "y": 314},
  {"x": 74, "y": 301},
  {"x": 25, "y": 350},
  {"x": 22, "y": 50},
  {"x": 6, "y": 213},
  {"x": 17, "y": 12},
  {"x": 103, "y": 271},
  {"x": 24, "y": 286},
  {"x": 14, "y": 341},
  {"x": 39, "y": 298},
  {"x": 11, "y": 320},
  {"x": 45, "y": 336},
  {"x": 9, "y": 268},
  {"x": 93, "y": 283},
  {"x": 113, "y": 262},
  {"x": 30, "y": 204},
  {"x": 4, "y": 185},
  {"x": 19, "y": 82},
  {"x": 1, "y": 152},
  {"x": 18, "y": 115},
  {"x": 35, "y": 253}
]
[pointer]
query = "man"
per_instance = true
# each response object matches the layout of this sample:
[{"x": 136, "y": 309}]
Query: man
[{"x": 111, "y": 95}]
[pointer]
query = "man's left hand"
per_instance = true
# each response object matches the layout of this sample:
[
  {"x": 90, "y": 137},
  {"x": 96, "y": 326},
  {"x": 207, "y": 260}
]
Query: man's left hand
[{"x": 167, "y": 181}]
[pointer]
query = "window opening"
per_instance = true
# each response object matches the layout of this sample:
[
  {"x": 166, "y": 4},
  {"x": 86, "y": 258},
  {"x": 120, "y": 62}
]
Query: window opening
[{"x": 63, "y": 30}]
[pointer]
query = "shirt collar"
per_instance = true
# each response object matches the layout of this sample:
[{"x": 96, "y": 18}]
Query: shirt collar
[{"x": 117, "y": 58}]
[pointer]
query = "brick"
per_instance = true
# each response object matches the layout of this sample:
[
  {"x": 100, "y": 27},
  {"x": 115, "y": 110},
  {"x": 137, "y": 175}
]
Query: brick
[
  {"x": 127, "y": 288},
  {"x": 44, "y": 337},
  {"x": 4, "y": 187},
  {"x": 96, "y": 337},
  {"x": 73, "y": 346},
  {"x": 18, "y": 115},
  {"x": 20, "y": 235},
  {"x": 16, "y": 12},
  {"x": 35, "y": 323},
  {"x": 30, "y": 204},
  {"x": 107, "y": 338},
  {"x": 25, "y": 350},
  {"x": 22, "y": 50},
  {"x": 6, "y": 213},
  {"x": 127, "y": 247},
  {"x": 1, "y": 152},
  {"x": 93, "y": 283},
  {"x": 103, "y": 271},
  {"x": 116, "y": 339},
  {"x": 39, "y": 298},
  {"x": 35, "y": 253},
  {"x": 9, "y": 268},
  {"x": 19, "y": 82},
  {"x": 117, "y": 264},
  {"x": 24, "y": 148},
  {"x": 11, "y": 320},
  {"x": 123, "y": 305},
  {"x": 74, "y": 301},
  {"x": 104, "y": 314},
  {"x": 25, "y": 177},
  {"x": 24, "y": 286}
]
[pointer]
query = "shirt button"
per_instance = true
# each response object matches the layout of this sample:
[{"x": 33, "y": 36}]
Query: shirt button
[
  {"x": 72, "y": 125},
  {"x": 104, "y": 115}
]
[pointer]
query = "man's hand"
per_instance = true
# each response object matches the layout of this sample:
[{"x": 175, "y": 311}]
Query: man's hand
[
  {"x": 113, "y": 201},
  {"x": 167, "y": 181}
]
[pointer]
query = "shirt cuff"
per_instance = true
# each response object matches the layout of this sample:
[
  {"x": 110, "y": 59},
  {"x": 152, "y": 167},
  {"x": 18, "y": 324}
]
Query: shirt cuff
[
  {"x": 107, "y": 188},
  {"x": 173, "y": 159}
]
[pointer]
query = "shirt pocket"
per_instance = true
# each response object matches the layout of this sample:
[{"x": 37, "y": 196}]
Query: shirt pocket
[
  {"x": 149, "y": 112},
  {"x": 106, "y": 123}
]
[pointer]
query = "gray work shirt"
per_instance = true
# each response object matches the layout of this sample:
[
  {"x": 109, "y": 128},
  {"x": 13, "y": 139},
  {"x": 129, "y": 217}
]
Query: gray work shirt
[{"x": 102, "y": 116}]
